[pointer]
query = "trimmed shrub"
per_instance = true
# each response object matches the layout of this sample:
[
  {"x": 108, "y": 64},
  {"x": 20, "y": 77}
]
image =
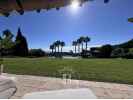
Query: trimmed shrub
[
  {"x": 36, "y": 53},
  {"x": 105, "y": 51},
  {"x": 118, "y": 52}
]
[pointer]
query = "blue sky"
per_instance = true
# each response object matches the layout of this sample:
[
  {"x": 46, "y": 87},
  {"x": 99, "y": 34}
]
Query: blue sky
[{"x": 103, "y": 23}]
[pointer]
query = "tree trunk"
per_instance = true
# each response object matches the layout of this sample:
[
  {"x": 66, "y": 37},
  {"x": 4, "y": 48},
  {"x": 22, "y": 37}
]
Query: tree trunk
[
  {"x": 58, "y": 49},
  {"x": 86, "y": 46},
  {"x": 52, "y": 50},
  {"x": 55, "y": 49},
  {"x": 61, "y": 49},
  {"x": 75, "y": 49},
  {"x": 82, "y": 46},
  {"x": 79, "y": 48}
]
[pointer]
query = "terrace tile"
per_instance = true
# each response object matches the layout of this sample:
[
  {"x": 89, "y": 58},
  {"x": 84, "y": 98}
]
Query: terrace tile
[{"x": 28, "y": 84}]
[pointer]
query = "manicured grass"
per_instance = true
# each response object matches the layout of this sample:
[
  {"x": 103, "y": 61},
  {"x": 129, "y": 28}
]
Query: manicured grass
[{"x": 109, "y": 70}]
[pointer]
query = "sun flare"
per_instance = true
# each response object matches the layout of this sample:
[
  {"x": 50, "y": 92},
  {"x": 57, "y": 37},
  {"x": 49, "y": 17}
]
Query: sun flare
[{"x": 75, "y": 5}]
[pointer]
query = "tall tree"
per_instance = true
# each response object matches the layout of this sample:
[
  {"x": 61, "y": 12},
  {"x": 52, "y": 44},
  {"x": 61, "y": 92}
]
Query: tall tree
[
  {"x": 62, "y": 45},
  {"x": 74, "y": 43},
  {"x": 7, "y": 41},
  {"x": 7, "y": 34},
  {"x": 55, "y": 46},
  {"x": 81, "y": 39},
  {"x": 52, "y": 47},
  {"x": 78, "y": 43},
  {"x": 21, "y": 46},
  {"x": 86, "y": 40},
  {"x": 58, "y": 45}
]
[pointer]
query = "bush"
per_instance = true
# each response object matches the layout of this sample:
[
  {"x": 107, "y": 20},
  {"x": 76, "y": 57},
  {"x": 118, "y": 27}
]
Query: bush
[
  {"x": 118, "y": 52},
  {"x": 129, "y": 55},
  {"x": 85, "y": 54},
  {"x": 95, "y": 52},
  {"x": 105, "y": 51},
  {"x": 131, "y": 50},
  {"x": 36, "y": 53}
]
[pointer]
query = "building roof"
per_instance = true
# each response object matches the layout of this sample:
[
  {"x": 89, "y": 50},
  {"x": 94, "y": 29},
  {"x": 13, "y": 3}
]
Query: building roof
[{"x": 7, "y": 6}]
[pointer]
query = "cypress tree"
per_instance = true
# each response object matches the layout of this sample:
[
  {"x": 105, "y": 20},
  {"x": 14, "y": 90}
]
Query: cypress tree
[{"x": 21, "y": 46}]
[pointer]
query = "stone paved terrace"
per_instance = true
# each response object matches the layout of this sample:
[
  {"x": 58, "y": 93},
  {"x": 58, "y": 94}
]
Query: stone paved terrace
[{"x": 27, "y": 84}]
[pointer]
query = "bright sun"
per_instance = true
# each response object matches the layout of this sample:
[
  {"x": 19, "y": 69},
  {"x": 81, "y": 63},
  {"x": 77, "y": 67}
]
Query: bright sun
[{"x": 75, "y": 5}]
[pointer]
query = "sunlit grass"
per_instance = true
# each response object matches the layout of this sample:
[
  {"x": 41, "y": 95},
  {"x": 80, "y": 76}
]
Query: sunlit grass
[{"x": 109, "y": 70}]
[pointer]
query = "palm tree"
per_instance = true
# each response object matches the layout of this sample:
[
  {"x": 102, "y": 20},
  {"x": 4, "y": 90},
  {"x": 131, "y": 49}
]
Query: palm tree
[
  {"x": 57, "y": 44},
  {"x": 81, "y": 39},
  {"x": 62, "y": 44},
  {"x": 86, "y": 40},
  {"x": 52, "y": 47},
  {"x": 78, "y": 43},
  {"x": 74, "y": 43}
]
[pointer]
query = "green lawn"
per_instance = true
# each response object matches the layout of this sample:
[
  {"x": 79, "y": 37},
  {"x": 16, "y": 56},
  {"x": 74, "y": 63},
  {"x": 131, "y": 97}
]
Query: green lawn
[{"x": 109, "y": 70}]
